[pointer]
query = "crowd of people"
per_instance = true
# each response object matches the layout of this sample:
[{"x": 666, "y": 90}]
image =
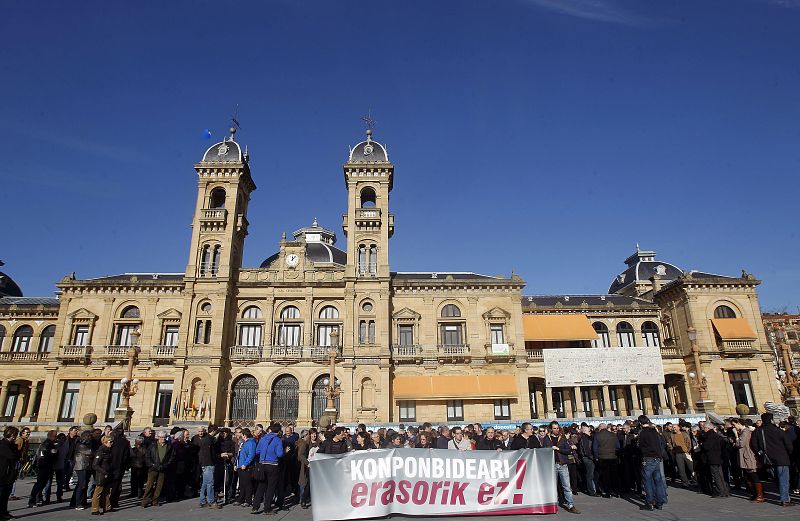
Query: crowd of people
[{"x": 267, "y": 470}]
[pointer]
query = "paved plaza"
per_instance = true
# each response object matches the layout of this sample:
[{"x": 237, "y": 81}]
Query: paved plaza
[{"x": 683, "y": 505}]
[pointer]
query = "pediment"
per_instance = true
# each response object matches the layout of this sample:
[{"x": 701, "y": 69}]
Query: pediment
[
  {"x": 496, "y": 312},
  {"x": 170, "y": 314},
  {"x": 407, "y": 314},
  {"x": 82, "y": 314}
]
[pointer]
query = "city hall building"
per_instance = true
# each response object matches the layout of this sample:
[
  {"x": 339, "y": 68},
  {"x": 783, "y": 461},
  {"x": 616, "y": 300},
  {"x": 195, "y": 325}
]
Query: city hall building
[{"x": 228, "y": 344}]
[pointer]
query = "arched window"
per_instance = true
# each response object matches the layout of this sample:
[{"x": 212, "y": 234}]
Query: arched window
[
  {"x": 217, "y": 198},
  {"x": 724, "y": 312},
  {"x": 625, "y": 335},
  {"x": 320, "y": 397},
  {"x": 205, "y": 260},
  {"x": 329, "y": 312},
  {"x": 244, "y": 401},
  {"x": 130, "y": 312},
  {"x": 602, "y": 335},
  {"x": 362, "y": 259},
  {"x": 368, "y": 197},
  {"x": 215, "y": 260},
  {"x": 373, "y": 259},
  {"x": 251, "y": 312},
  {"x": 650, "y": 334},
  {"x": 285, "y": 398},
  {"x": 290, "y": 312},
  {"x": 46, "y": 339},
  {"x": 450, "y": 311},
  {"x": 2, "y": 338},
  {"x": 22, "y": 339}
]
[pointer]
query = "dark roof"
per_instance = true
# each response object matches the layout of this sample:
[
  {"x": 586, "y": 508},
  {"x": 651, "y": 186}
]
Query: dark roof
[
  {"x": 439, "y": 275},
  {"x": 8, "y": 287},
  {"x": 577, "y": 300},
  {"x": 703, "y": 275},
  {"x": 223, "y": 152},
  {"x": 315, "y": 252},
  {"x": 28, "y": 301},
  {"x": 368, "y": 152},
  {"x": 140, "y": 276},
  {"x": 642, "y": 271}
]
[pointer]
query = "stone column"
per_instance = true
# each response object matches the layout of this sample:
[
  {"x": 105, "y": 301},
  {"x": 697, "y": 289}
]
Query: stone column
[
  {"x": 594, "y": 402},
  {"x": 663, "y": 401},
  {"x": 304, "y": 408},
  {"x": 541, "y": 408},
  {"x": 546, "y": 412},
  {"x": 33, "y": 396},
  {"x": 634, "y": 406},
  {"x": 609, "y": 410},
  {"x": 567, "y": 402},
  {"x": 3, "y": 398},
  {"x": 647, "y": 398}
]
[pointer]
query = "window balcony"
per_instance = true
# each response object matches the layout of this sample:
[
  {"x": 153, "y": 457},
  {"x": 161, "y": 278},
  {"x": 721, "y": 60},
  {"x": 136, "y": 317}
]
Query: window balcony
[
  {"x": 285, "y": 353},
  {"x": 213, "y": 218},
  {"x": 402, "y": 354},
  {"x": 322, "y": 353},
  {"x": 163, "y": 353},
  {"x": 453, "y": 351},
  {"x": 535, "y": 355},
  {"x": 114, "y": 353},
  {"x": 27, "y": 357},
  {"x": 499, "y": 351},
  {"x": 737, "y": 347},
  {"x": 246, "y": 354},
  {"x": 671, "y": 352},
  {"x": 74, "y": 354}
]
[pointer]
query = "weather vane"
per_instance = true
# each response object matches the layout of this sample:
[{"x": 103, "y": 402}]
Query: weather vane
[
  {"x": 368, "y": 121},
  {"x": 235, "y": 121}
]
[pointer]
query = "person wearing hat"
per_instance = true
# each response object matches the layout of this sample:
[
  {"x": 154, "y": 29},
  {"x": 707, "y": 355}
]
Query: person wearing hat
[
  {"x": 775, "y": 449},
  {"x": 655, "y": 490}
]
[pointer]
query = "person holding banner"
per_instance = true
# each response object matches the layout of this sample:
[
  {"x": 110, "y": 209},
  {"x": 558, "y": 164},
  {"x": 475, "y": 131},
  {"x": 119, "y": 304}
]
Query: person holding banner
[
  {"x": 563, "y": 450},
  {"x": 525, "y": 439},
  {"x": 459, "y": 441}
]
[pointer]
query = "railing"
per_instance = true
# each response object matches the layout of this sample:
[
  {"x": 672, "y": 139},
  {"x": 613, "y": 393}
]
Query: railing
[
  {"x": 163, "y": 353},
  {"x": 453, "y": 350},
  {"x": 116, "y": 352},
  {"x": 285, "y": 353},
  {"x": 737, "y": 345},
  {"x": 214, "y": 214},
  {"x": 74, "y": 353},
  {"x": 499, "y": 350},
  {"x": 406, "y": 352},
  {"x": 368, "y": 214},
  {"x": 24, "y": 357},
  {"x": 246, "y": 353},
  {"x": 671, "y": 352},
  {"x": 322, "y": 353},
  {"x": 535, "y": 355}
]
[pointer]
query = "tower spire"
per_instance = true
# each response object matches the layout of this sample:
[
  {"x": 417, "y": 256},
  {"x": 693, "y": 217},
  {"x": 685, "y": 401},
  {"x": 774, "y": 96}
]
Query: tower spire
[{"x": 369, "y": 122}]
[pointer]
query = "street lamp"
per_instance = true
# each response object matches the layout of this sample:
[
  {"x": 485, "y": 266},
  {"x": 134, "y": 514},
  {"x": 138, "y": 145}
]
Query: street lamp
[
  {"x": 332, "y": 391},
  {"x": 699, "y": 378},
  {"x": 130, "y": 385},
  {"x": 788, "y": 374}
]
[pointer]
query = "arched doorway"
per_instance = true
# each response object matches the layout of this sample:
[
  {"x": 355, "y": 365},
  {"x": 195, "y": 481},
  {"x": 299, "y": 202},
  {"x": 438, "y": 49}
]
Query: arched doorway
[
  {"x": 320, "y": 398},
  {"x": 285, "y": 398},
  {"x": 244, "y": 401}
]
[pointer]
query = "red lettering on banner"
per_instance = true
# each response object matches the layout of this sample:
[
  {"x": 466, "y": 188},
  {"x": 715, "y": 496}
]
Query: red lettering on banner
[
  {"x": 375, "y": 487},
  {"x": 402, "y": 495},
  {"x": 358, "y": 495},
  {"x": 521, "y": 468},
  {"x": 445, "y": 493},
  {"x": 435, "y": 486},
  {"x": 485, "y": 493},
  {"x": 502, "y": 498},
  {"x": 420, "y": 493},
  {"x": 458, "y": 493},
  {"x": 388, "y": 496}
]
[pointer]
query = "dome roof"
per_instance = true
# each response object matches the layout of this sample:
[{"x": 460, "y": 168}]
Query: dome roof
[
  {"x": 319, "y": 246},
  {"x": 226, "y": 151},
  {"x": 368, "y": 152},
  {"x": 642, "y": 265},
  {"x": 8, "y": 288}
]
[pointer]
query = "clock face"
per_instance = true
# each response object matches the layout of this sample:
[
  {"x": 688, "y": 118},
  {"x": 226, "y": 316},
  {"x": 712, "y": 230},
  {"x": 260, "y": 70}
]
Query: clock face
[{"x": 292, "y": 259}]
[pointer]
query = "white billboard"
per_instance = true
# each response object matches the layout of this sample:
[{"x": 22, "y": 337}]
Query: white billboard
[{"x": 603, "y": 366}]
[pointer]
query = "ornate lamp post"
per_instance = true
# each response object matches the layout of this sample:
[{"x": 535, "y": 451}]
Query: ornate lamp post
[
  {"x": 698, "y": 376},
  {"x": 130, "y": 385},
  {"x": 788, "y": 374},
  {"x": 332, "y": 391}
]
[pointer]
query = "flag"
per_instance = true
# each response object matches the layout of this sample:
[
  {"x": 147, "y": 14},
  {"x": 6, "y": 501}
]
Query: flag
[{"x": 175, "y": 408}]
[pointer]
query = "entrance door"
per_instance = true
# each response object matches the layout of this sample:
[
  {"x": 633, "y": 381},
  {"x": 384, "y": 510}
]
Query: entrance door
[
  {"x": 244, "y": 401},
  {"x": 285, "y": 398}
]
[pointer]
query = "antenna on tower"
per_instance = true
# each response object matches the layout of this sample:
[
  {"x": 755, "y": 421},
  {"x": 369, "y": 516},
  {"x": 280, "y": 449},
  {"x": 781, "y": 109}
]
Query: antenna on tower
[
  {"x": 369, "y": 122},
  {"x": 235, "y": 121}
]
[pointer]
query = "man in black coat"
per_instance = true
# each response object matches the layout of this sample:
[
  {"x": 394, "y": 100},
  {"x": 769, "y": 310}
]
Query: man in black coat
[
  {"x": 9, "y": 457},
  {"x": 335, "y": 444},
  {"x": 774, "y": 443},
  {"x": 158, "y": 457},
  {"x": 120, "y": 463},
  {"x": 525, "y": 439},
  {"x": 489, "y": 441},
  {"x": 46, "y": 456},
  {"x": 605, "y": 447},
  {"x": 712, "y": 447}
]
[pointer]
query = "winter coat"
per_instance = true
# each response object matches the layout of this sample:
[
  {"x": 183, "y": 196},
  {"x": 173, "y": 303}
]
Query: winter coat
[
  {"x": 650, "y": 443},
  {"x": 519, "y": 442},
  {"x": 713, "y": 445},
  {"x": 61, "y": 457},
  {"x": 564, "y": 448},
  {"x": 333, "y": 447},
  {"x": 778, "y": 447},
  {"x": 83, "y": 452},
  {"x": 153, "y": 462},
  {"x": 605, "y": 445},
  {"x": 269, "y": 449},
  {"x": 303, "y": 449},
  {"x": 247, "y": 454},
  {"x": 46, "y": 456},
  {"x": 207, "y": 450},
  {"x": 9, "y": 457},
  {"x": 102, "y": 467},
  {"x": 487, "y": 444},
  {"x": 747, "y": 456},
  {"x": 120, "y": 455},
  {"x": 138, "y": 457}
]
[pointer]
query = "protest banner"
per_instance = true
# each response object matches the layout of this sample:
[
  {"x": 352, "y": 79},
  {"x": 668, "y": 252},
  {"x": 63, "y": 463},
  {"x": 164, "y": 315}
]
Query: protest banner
[{"x": 431, "y": 482}]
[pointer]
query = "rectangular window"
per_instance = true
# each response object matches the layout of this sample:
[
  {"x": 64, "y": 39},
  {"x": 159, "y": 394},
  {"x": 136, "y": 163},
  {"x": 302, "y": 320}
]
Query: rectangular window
[
  {"x": 46, "y": 344},
  {"x": 21, "y": 344},
  {"x": 289, "y": 335},
  {"x": 626, "y": 339},
  {"x": 69, "y": 401},
  {"x": 171, "y": 335},
  {"x": 586, "y": 398},
  {"x": 406, "y": 335},
  {"x": 451, "y": 334},
  {"x": 602, "y": 340},
  {"x": 502, "y": 409},
  {"x": 11, "y": 401},
  {"x": 198, "y": 332},
  {"x": 612, "y": 395},
  {"x": 743, "y": 389},
  {"x": 651, "y": 339},
  {"x": 371, "y": 331},
  {"x": 114, "y": 399},
  {"x": 558, "y": 403},
  {"x": 207, "y": 332},
  {"x": 497, "y": 335},
  {"x": 366, "y": 332},
  {"x": 324, "y": 334},
  {"x": 161, "y": 413},
  {"x": 455, "y": 410},
  {"x": 250, "y": 335},
  {"x": 408, "y": 410},
  {"x": 81, "y": 337},
  {"x": 125, "y": 334}
]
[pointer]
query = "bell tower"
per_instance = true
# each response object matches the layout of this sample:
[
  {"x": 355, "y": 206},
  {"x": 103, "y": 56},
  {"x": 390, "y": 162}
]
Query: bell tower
[{"x": 368, "y": 225}]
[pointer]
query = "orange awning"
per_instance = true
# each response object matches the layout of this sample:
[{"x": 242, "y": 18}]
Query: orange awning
[
  {"x": 540, "y": 328},
  {"x": 454, "y": 387},
  {"x": 733, "y": 329}
]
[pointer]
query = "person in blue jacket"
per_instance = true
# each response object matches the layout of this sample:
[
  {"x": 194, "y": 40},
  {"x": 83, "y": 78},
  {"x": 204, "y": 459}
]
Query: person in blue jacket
[
  {"x": 244, "y": 466},
  {"x": 269, "y": 450}
]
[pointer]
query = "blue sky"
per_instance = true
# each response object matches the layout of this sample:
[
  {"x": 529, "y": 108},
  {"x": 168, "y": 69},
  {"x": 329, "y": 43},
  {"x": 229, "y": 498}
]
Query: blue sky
[{"x": 538, "y": 136}]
